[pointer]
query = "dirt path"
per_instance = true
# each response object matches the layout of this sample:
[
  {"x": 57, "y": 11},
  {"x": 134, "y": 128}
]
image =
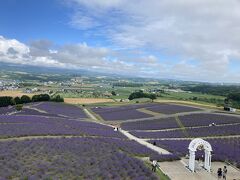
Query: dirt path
[{"x": 90, "y": 114}]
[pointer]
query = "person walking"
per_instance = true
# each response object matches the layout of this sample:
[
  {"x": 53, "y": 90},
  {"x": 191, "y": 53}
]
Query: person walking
[
  {"x": 224, "y": 173},
  {"x": 219, "y": 173}
]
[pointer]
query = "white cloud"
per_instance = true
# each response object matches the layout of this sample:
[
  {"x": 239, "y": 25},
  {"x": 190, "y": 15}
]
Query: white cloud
[
  {"x": 206, "y": 31},
  {"x": 42, "y": 53},
  {"x": 82, "y": 22}
]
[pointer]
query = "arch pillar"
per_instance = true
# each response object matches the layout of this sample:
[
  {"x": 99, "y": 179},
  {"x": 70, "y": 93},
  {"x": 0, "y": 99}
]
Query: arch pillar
[
  {"x": 192, "y": 160},
  {"x": 207, "y": 162}
]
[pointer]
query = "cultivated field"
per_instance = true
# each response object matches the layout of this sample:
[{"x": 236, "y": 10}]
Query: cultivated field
[
  {"x": 86, "y": 100},
  {"x": 50, "y": 141},
  {"x": 75, "y": 146},
  {"x": 175, "y": 133},
  {"x": 15, "y": 93},
  {"x": 140, "y": 111}
]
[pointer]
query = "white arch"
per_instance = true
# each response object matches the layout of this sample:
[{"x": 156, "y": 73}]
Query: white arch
[{"x": 193, "y": 147}]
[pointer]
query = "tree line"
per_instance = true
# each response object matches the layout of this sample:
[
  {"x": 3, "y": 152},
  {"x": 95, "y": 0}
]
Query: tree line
[
  {"x": 10, "y": 101},
  {"x": 213, "y": 89},
  {"x": 141, "y": 94}
]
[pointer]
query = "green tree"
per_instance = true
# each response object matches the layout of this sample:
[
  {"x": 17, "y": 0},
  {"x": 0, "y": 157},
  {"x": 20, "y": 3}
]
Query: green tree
[
  {"x": 25, "y": 99},
  {"x": 17, "y": 100},
  {"x": 40, "y": 97},
  {"x": 113, "y": 93},
  {"x": 6, "y": 101},
  {"x": 19, "y": 107},
  {"x": 152, "y": 96},
  {"x": 57, "y": 98}
]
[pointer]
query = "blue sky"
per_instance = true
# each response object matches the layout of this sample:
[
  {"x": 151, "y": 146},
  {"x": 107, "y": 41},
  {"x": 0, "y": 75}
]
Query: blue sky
[
  {"x": 29, "y": 20},
  {"x": 188, "y": 40}
]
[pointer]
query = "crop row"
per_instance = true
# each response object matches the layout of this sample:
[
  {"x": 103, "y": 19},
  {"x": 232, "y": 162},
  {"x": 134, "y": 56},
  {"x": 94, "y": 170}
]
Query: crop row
[
  {"x": 130, "y": 111},
  {"x": 201, "y": 119},
  {"x": 225, "y": 130},
  {"x": 61, "y": 109},
  {"x": 14, "y": 126},
  {"x": 171, "y": 108}
]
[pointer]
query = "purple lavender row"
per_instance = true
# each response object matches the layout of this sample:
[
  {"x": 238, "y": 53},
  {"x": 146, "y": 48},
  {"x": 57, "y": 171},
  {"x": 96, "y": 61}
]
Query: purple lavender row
[
  {"x": 122, "y": 108},
  {"x": 171, "y": 108},
  {"x": 47, "y": 120},
  {"x": 75, "y": 158},
  {"x": 61, "y": 109},
  {"x": 187, "y": 120},
  {"x": 27, "y": 111},
  {"x": 6, "y": 110},
  {"x": 226, "y": 130},
  {"x": 151, "y": 124},
  {"x": 14, "y": 126},
  {"x": 123, "y": 115},
  {"x": 206, "y": 119}
]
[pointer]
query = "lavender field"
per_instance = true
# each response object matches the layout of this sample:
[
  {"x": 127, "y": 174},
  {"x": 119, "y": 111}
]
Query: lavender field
[
  {"x": 75, "y": 158},
  {"x": 156, "y": 124},
  {"x": 74, "y": 148},
  {"x": 34, "y": 112},
  {"x": 204, "y": 119},
  {"x": 17, "y": 126},
  {"x": 61, "y": 109},
  {"x": 191, "y": 120},
  {"x": 120, "y": 113},
  {"x": 131, "y": 111},
  {"x": 7, "y": 110},
  {"x": 226, "y": 130},
  {"x": 171, "y": 108}
]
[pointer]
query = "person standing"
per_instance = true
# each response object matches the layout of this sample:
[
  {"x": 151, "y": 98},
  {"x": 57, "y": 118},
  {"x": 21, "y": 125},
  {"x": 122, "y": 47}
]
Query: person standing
[
  {"x": 154, "y": 165},
  {"x": 224, "y": 172},
  {"x": 219, "y": 173}
]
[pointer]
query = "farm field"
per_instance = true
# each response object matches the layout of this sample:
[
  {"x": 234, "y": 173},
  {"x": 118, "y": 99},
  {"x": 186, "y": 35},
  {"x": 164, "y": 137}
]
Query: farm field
[
  {"x": 70, "y": 148},
  {"x": 139, "y": 111},
  {"x": 86, "y": 100},
  {"x": 175, "y": 133},
  {"x": 14, "y": 93},
  {"x": 60, "y": 109},
  {"x": 75, "y": 146}
]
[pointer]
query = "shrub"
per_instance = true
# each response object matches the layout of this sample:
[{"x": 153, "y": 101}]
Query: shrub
[
  {"x": 114, "y": 93},
  {"x": 19, "y": 107}
]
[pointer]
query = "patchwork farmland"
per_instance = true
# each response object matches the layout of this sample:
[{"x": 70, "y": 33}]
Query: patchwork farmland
[{"x": 74, "y": 145}]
